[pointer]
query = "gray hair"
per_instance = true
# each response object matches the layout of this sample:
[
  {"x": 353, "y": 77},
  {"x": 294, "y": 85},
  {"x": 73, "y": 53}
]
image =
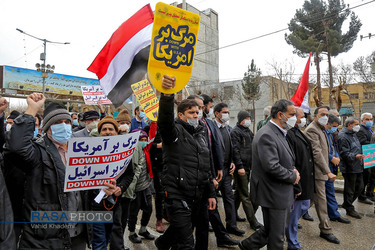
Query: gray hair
[
  {"x": 365, "y": 114},
  {"x": 280, "y": 106},
  {"x": 267, "y": 110},
  {"x": 332, "y": 119},
  {"x": 350, "y": 120}
]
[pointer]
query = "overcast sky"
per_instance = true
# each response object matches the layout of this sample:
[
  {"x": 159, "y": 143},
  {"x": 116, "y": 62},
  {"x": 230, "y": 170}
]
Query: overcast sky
[{"x": 88, "y": 25}]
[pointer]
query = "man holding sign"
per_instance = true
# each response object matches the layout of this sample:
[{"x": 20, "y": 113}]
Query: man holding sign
[{"x": 187, "y": 175}]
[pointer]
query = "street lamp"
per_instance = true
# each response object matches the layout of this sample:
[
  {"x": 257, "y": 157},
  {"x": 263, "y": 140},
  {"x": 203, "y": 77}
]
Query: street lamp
[{"x": 45, "y": 69}]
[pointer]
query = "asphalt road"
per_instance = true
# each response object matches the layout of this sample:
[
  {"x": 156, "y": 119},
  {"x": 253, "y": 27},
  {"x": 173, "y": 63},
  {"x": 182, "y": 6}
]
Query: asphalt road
[{"x": 360, "y": 234}]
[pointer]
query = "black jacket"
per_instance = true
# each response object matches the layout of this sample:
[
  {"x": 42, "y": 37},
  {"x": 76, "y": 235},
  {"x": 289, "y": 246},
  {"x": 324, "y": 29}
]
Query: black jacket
[
  {"x": 304, "y": 163},
  {"x": 242, "y": 138},
  {"x": 44, "y": 186},
  {"x": 364, "y": 135},
  {"x": 349, "y": 147},
  {"x": 186, "y": 156}
]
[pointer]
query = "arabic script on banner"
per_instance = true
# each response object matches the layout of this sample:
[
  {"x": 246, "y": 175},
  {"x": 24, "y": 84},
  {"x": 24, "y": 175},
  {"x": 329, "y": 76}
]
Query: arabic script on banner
[
  {"x": 94, "y": 95},
  {"x": 147, "y": 98},
  {"x": 93, "y": 161},
  {"x": 369, "y": 152}
]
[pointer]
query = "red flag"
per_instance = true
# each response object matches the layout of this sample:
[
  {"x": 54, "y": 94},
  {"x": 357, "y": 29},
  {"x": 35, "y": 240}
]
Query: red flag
[
  {"x": 124, "y": 58},
  {"x": 301, "y": 97}
]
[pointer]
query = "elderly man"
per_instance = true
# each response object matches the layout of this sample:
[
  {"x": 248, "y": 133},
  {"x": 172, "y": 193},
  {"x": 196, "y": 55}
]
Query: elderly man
[
  {"x": 266, "y": 112},
  {"x": 91, "y": 119},
  {"x": 273, "y": 176},
  {"x": 364, "y": 136},
  {"x": 351, "y": 156},
  {"x": 315, "y": 132}
]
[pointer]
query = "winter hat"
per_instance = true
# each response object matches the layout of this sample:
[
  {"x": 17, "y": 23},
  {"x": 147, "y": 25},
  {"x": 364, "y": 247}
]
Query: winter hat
[
  {"x": 142, "y": 134},
  {"x": 91, "y": 114},
  {"x": 123, "y": 116},
  {"x": 13, "y": 115},
  {"x": 242, "y": 115},
  {"x": 53, "y": 113},
  {"x": 107, "y": 119}
]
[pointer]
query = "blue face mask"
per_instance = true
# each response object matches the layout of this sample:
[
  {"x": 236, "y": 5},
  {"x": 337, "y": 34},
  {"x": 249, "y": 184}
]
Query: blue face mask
[
  {"x": 36, "y": 132},
  {"x": 142, "y": 115},
  {"x": 369, "y": 124},
  {"x": 75, "y": 122},
  {"x": 143, "y": 144},
  {"x": 61, "y": 132},
  {"x": 332, "y": 130}
]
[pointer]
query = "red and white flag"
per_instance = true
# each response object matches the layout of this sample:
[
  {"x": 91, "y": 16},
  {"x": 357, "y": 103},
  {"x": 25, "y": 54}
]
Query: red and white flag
[
  {"x": 124, "y": 58},
  {"x": 301, "y": 97}
]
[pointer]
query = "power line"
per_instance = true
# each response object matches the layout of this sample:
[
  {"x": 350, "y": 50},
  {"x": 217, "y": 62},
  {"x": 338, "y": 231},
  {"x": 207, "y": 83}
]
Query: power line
[
  {"x": 278, "y": 31},
  {"x": 28, "y": 53}
]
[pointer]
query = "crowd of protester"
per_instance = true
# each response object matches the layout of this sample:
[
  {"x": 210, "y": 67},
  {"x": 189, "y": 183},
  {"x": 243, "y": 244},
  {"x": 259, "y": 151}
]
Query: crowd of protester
[{"x": 183, "y": 162}]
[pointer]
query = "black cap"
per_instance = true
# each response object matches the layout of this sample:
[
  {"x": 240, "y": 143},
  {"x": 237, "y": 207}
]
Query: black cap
[
  {"x": 91, "y": 114},
  {"x": 13, "y": 115},
  {"x": 242, "y": 115}
]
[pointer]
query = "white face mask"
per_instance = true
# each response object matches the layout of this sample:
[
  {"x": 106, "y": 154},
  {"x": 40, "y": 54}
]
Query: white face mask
[
  {"x": 303, "y": 123},
  {"x": 200, "y": 114},
  {"x": 8, "y": 127},
  {"x": 323, "y": 120},
  {"x": 224, "y": 117},
  {"x": 126, "y": 126},
  {"x": 92, "y": 125},
  {"x": 210, "y": 113},
  {"x": 291, "y": 122},
  {"x": 356, "y": 128},
  {"x": 193, "y": 122},
  {"x": 247, "y": 123}
]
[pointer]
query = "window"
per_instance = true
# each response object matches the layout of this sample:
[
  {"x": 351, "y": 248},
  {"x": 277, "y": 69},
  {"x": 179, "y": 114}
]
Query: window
[{"x": 369, "y": 95}]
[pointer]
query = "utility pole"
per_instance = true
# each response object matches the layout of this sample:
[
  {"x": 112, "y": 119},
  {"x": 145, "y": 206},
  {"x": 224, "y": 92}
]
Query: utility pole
[{"x": 45, "y": 69}]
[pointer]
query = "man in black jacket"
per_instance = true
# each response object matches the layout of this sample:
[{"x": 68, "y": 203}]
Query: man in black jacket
[
  {"x": 45, "y": 175},
  {"x": 364, "y": 136},
  {"x": 186, "y": 174},
  {"x": 351, "y": 156},
  {"x": 242, "y": 138},
  {"x": 304, "y": 190}
]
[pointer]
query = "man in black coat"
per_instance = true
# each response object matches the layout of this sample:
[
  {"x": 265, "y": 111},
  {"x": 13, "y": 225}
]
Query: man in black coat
[
  {"x": 186, "y": 176},
  {"x": 304, "y": 190},
  {"x": 273, "y": 176},
  {"x": 351, "y": 167},
  {"x": 242, "y": 138},
  {"x": 364, "y": 136}
]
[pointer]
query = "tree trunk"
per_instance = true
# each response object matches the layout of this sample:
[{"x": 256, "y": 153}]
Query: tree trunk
[
  {"x": 254, "y": 116},
  {"x": 317, "y": 64},
  {"x": 330, "y": 71}
]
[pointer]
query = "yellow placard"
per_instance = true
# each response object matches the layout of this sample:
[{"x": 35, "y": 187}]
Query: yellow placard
[
  {"x": 147, "y": 98},
  {"x": 173, "y": 43}
]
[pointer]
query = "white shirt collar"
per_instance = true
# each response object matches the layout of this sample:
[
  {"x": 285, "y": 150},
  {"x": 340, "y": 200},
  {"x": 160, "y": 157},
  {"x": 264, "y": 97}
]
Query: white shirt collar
[
  {"x": 282, "y": 130},
  {"x": 219, "y": 124}
]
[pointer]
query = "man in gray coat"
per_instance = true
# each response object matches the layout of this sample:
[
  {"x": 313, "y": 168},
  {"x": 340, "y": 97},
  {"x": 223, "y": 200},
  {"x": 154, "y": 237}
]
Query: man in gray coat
[{"x": 273, "y": 177}]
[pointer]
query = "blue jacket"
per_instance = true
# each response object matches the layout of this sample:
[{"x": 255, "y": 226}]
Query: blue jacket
[
  {"x": 333, "y": 152},
  {"x": 135, "y": 124}
]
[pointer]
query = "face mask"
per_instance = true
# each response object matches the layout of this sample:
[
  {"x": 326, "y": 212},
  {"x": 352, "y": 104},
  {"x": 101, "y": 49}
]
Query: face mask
[
  {"x": 8, "y": 127},
  {"x": 291, "y": 122},
  {"x": 339, "y": 118},
  {"x": 36, "y": 132},
  {"x": 92, "y": 125},
  {"x": 303, "y": 123},
  {"x": 247, "y": 123},
  {"x": 193, "y": 122},
  {"x": 75, "y": 122},
  {"x": 369, "y": 124},
  {"x": 61, "y": 132},
  {"x": 356, "y": 128},
  {"x": 332, "y": 130},
  {"x": 143, "y": 144},
  {"x": 224, "y": 117},
  {"x": 142, "y": 115},
  {"x": 323, "y": 120},
  {"x": 210, "y": 113},
  {"x": 126, "y": 126},
  {"x": 200, "y": 114}
]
